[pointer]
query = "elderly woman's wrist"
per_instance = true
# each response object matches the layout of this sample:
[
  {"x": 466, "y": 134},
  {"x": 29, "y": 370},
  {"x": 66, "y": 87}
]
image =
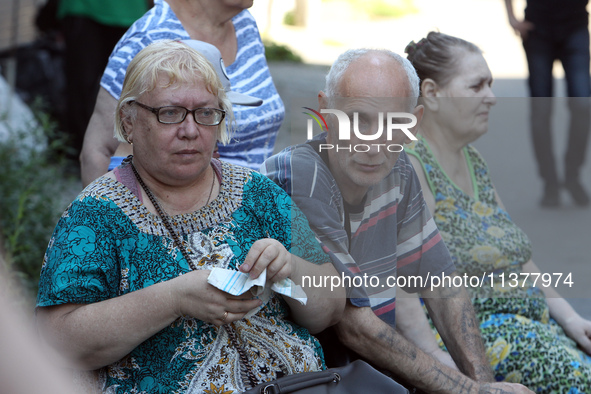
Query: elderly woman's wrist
[
  {"x": 569, "y": 319},
  {"x": 175, "y": 297},
  {"x": 297, "y": 268}
]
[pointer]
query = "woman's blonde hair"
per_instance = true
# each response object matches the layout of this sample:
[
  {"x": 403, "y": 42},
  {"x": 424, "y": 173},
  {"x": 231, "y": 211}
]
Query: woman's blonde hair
[{"x": 180, "y": 64}]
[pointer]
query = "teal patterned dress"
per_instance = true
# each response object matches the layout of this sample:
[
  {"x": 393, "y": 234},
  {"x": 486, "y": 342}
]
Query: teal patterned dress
[
  {"x": 523, "y": 344},
  {"x": 107, "y": 244}
]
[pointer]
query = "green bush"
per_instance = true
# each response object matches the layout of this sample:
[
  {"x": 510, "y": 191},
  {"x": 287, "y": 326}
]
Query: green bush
[
  {"x": 32, "y": 197},
  {"x": 289, "y": 18},
  {"x": 280, "y": 53},
  {"x": 384, "y": 8},
  {"x": 389, "y": 9}
]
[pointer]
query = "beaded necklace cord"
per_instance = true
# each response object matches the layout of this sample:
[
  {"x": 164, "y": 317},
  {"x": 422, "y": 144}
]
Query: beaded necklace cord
[{"x": 165, "y": 217}]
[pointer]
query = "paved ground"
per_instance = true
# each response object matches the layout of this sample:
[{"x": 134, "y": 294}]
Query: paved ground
[{"x": 561, "y": 237}]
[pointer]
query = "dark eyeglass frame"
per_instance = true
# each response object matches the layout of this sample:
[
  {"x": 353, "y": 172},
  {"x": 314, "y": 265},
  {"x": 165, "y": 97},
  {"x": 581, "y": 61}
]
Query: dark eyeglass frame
[{"x": 156, "y": 111}]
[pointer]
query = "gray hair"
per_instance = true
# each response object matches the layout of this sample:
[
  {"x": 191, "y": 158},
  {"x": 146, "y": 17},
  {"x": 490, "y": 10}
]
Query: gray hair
[{"x": 335, "y": 75}]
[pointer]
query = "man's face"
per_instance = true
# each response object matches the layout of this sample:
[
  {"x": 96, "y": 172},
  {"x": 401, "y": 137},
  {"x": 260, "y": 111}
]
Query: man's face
[{"x": 373, "y": 84}]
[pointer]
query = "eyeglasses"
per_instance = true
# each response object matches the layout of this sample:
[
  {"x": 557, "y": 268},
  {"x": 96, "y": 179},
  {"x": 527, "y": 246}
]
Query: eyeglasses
[{"x": 175, "y": 114}]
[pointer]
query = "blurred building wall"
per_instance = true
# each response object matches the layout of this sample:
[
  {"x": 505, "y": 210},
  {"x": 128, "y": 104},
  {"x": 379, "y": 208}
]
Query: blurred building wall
[{"x": 17, "y": 22}]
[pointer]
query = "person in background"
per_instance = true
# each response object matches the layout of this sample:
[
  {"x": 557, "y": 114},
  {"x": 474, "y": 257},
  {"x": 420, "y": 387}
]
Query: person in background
[
  {"x": 364, "y": 203},
  {"x": 22, "y": 354},
  {"x": 553, "y": 30},
  {"x": 531, "y": 335},
  {"x": 228, "y": 26},
  {"x": 126, "y": 283},
  {"x": 91, "y": 28}
]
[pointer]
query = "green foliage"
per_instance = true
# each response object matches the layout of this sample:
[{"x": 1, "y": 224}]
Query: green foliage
[
  {"x": 31, "y": 196},
  {"x": 289, "y": 18},
  {"x": 280, "y": 53},
  {"x": 389, "y": 9},
  {"x": 384, "y": 8}
]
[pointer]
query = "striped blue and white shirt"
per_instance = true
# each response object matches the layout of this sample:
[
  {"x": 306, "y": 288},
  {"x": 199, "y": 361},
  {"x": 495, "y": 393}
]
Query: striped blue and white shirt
[{"x": 256, "y": 127}]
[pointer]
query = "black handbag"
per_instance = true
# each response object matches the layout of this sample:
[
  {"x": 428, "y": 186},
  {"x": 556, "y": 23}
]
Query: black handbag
[
  {"x": 354, "y": 378},
  {"x": 357, "y": 377}
]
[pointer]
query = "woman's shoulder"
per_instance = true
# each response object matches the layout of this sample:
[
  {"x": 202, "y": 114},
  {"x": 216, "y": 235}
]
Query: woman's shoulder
[
  {"x": 478, "y": 165},
  {"x": 245, "y": 26},
  {"x": 105, "y": 190},
  {"x": 249, "y": 188},
  {"x": 144, "y": 31},
  {"x": 244, "y": 17},
  {"x": 420, "y": 157},
  {"x": 480, "y": 172},
  {"x": 230, "y": 171},
  {"x": 475, "y": 155},
  {"x": 100, "y": 187},
  {"x": 103, "y": 203},
  {"x": 418, "y": 150},
  {"x": 237, "y": 175},
  {"x": 251, "y": 51},
  {"x": 159, "y": 23}
]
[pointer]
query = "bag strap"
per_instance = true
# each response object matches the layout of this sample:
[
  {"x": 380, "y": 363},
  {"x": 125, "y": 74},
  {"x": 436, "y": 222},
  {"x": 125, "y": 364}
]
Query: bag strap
[{"x": 300, "y": 381}]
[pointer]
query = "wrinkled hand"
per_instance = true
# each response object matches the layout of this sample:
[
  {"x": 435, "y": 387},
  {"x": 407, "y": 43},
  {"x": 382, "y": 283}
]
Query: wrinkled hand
[
  {"x": 522, "y": 28},
  {"x": 504, "y": 388},
  {"x": 579, "y": 329},
  {"x": 194, "y": 297},
  {"x": 270, "y": 254}
]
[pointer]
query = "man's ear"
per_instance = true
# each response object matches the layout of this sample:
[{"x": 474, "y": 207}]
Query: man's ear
[
  {"x": 418, "y": 113},
  {"x": 429, "y": 90},
  {"x": 322, "y": 100},
  {"x": 323, "y": 104}
]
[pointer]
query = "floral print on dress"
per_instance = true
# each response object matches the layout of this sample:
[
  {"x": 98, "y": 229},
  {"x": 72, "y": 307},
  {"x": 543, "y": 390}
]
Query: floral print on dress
[
  {"x": 206, "y": 253},
  {"x": 522, "y": 343},
  {"x": 107, "y": 244}
]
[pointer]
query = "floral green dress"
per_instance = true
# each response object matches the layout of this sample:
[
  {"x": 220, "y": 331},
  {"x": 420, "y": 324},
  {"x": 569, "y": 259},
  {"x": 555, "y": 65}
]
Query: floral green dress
[{"x": 522, "y": 343}]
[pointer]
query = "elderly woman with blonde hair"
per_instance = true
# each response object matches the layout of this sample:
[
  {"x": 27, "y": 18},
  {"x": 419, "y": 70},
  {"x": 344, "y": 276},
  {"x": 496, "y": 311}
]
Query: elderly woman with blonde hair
[{"x": 126, "y": 282}]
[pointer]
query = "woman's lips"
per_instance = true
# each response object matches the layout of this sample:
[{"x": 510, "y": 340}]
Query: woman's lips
[{"x": 187, "y": 152}]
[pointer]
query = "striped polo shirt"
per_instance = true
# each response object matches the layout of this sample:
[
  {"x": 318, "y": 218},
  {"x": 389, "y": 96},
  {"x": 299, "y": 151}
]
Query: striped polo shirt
[
  {"x": 256, "y": 127},
  {"x": 389, "y": 239}
]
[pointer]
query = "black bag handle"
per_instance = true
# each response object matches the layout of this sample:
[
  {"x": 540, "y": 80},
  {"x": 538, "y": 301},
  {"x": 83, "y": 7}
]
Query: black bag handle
[{"x": 291, "y": 383}]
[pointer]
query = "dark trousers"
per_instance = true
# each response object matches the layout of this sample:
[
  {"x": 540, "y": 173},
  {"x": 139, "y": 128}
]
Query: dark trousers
[
  {"x": 88, "y": 46},
  {"x": 542, "y": 48}
]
